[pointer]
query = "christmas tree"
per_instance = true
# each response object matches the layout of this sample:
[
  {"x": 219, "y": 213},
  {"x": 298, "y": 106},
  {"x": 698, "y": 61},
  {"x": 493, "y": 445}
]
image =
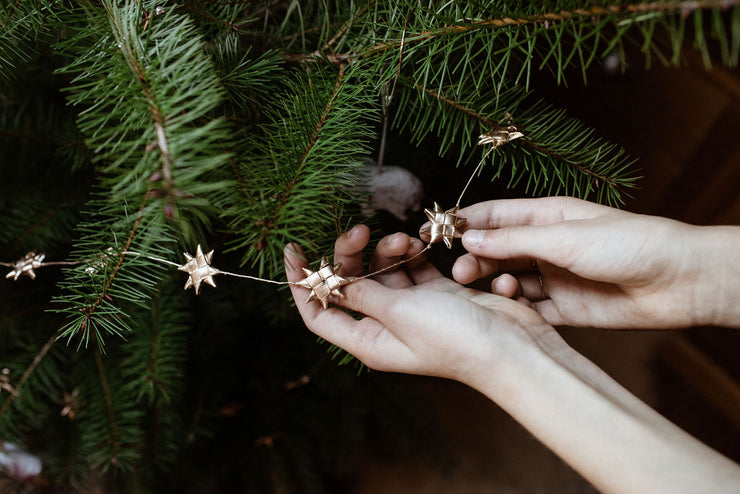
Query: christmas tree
[{"x": 133, "y": 131}]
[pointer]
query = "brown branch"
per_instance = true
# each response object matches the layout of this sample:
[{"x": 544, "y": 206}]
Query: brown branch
[
  {"x": 108, "y": 404},
  {"x": 29, "y": 370},
  {"x": 91, "y": 309},
  {"x": 493, "y": 125},
  {"x": 686, "y": 6}
]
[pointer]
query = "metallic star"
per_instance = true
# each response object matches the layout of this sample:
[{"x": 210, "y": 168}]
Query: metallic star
[
  {"x": 26, "y": 265},
  {"x": 445, "y": 225},
  {"x": 499, "y": 136},
  {"x": 199, "y": 269},
  {"x": 323, "y": 282}
]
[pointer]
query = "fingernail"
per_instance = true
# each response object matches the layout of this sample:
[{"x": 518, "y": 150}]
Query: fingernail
[
  {"x": 473, "y": 238},
  {"x": 425, "y": 225}
]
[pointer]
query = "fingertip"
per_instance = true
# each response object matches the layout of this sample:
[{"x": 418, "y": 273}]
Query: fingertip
[
  {"x": 294, "y": 259},
  {"x": 358, "y": 230},
  {"x": 506, "y": 286},
  {"x": 353, "y": 241},
  {"x": 415, "y": 246},
  {"x": 394, "y": 245},
  {"x": 473, "y": 239},
  {"x": 465, "y": 270}
]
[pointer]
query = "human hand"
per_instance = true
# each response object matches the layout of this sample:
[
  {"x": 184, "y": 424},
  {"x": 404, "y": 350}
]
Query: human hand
[
  {"x": 599, "y": 266},
  {"x": 417, "y": 321}
]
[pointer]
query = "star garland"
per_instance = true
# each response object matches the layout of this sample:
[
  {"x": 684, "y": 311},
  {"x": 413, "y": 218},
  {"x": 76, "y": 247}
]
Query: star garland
[{"x": 443, "y": 225}]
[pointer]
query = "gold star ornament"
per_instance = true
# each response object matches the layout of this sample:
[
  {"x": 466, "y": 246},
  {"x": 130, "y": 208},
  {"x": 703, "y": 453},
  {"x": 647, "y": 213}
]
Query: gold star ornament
[
  {"x": 199, "y": 269},
  {"x": 25, "y": 266},
  {"x": 499, "y": 136},
  {"x": 323, "y": 282},
  {"x": 445, "y": 225}
]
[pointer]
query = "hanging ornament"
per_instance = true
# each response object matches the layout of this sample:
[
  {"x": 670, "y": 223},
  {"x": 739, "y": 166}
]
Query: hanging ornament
[
  {"x": 444, "y": 225},
  {"x": 5, "y": 382},
  {"x": 323, "y": 282},
  {"x": 25, "y": 266},
  {"x": 71, "y": 404},
  {"x": 199, "y": 269},
  {"x": 499, "y": 136}
]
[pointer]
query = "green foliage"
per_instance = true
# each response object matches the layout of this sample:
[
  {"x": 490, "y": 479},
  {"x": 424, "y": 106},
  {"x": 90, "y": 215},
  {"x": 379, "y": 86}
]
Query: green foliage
[
  {"x": 132, "y": 130},
  {"x": 316, "y": 132}
]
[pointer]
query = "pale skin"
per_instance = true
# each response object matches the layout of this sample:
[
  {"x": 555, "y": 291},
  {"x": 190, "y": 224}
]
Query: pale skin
[{"x": 600, "y": 268}]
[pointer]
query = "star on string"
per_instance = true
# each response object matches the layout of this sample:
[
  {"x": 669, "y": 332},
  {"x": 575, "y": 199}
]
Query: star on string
[
  {"x": 499, "y": 136},
  {"x": 444, "y": 225},
  {"x": 323, "y": 282},
  {"x": 5, "y": 382},
  {"x": 199, "y": 269},
  {"x": 25, "y": 266}
]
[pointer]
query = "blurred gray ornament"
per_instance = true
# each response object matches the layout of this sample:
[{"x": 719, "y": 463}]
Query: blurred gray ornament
[
  {"x": 392, "y": 189},
  {"x": 18, "y": 463}
]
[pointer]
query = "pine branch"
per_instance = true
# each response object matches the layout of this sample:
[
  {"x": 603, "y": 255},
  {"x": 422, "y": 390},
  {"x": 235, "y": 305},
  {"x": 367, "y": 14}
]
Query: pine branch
[
  {"x": 114, "y": 441},
  {"x": 29, "y": 370},
  {"x": 557, "y": 154},
  {"x": 312, "y": 144}
]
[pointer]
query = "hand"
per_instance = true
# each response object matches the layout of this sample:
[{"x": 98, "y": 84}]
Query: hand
[
  {"x": 417, "y": 321},
  {"x": 598, "y": 266}
]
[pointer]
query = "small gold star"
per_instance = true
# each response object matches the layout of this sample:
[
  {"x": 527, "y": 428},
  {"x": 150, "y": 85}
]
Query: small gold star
[
  {"x": 445, "y": 225},
  {"x": 323, "y": 282},
  {"x": 499, "y": 136},
  {"x": 199, "y": 269},
  {"x": 25, "y": 266}
]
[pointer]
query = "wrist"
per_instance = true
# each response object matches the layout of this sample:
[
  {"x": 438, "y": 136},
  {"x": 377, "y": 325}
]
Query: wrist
[{"x": 716, "y": 291}]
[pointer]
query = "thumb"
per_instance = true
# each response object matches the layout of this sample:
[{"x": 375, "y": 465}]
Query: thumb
[{"x": 554, "y": 243}]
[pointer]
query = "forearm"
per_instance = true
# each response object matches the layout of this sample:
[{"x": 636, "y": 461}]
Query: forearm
[
  {"x": 717, "y": 293},
  {"x": 600, "y": 429}
]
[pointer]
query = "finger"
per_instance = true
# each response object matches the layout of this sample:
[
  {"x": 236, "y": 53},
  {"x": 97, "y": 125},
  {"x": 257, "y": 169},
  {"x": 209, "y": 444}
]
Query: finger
[
  {"x": 390, "y": 250},
  {"x": 554, "y": 243},
  {"x": 507, "y": 286},
  {"x": 542, "y": 211},
  {"x": 549, "y": 311},
  {"x": 371, "y": 298},
  {"x": 419, "y": 269},
  {"x": 348, "y": 250},
  {"x": 532, "y": 286},
  {"x": 468, "y": 268},
  {"x": 367, "y": 339}
]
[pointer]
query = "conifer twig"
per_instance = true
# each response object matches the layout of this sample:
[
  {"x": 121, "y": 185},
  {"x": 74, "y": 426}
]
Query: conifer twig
[
  {"x": 307, "y": 150},
  {"x": 91, "y": 309},
  {"x": 108, "y": 403},
  {"x": 546, "y": 18},
  {"x": 493, "y": 124},
  {"x": 29, "y": 370}
]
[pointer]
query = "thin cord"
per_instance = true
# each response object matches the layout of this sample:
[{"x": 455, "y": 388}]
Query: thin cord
[
  {"x": 236, "y": 275},
  {"x": 475, "y": 172},
  {"x": 394, "y": 265},
  {"x": 218, "y": 271},
  {"x": 158, "y": 259}
]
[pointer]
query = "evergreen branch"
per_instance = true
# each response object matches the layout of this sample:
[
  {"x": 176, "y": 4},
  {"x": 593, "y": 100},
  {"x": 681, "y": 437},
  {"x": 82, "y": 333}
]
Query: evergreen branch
[
  {"x": 108, "y": 405},
  {"x": 43, "y": 220},
  {"x": 29, "y": 370},
  {"x": 491, "y": 124},
  {"x": 90, "y": 310},
  {"x": 312, "y": 143},
  {"x": 547, "y": 18},
  {"x": 302, "y": 162}
]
